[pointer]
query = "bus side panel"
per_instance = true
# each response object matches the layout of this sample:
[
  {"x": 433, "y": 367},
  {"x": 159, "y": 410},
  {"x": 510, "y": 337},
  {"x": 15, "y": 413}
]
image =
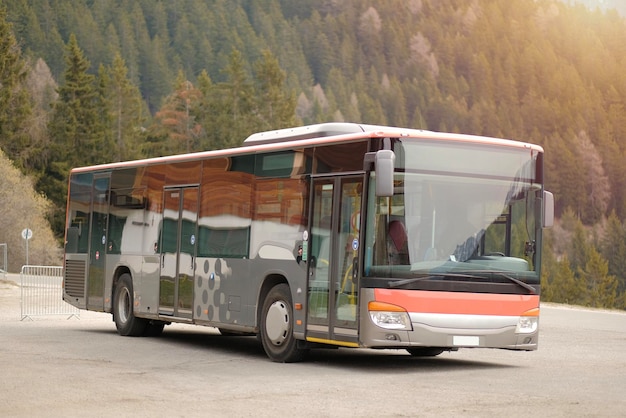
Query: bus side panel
[
  {"x": 223, "y": 288},
  {"x": 223, "y": 243},
  {"x": 149, "y": 265},
  {"x": 294, "y": 272},
  {"x": 249, "y": 229},
  {"x": 218, "y": 293},
  {"x": 141, "y": 257},
  {"x": 146, "y": 266},
  {"x": 134, "y": 264},
  {"x": 227, "y": 287},
  {"x": 275, "y": 253},
  {"x": 144, "y": 234},
  {"x": 131, "y": 231}
]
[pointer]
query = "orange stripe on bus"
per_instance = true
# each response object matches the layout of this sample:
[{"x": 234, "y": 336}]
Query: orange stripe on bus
[{"x": 458, "y": 302}]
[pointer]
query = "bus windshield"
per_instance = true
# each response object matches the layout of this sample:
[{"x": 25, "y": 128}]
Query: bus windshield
[{"x": 457, "y": 209}]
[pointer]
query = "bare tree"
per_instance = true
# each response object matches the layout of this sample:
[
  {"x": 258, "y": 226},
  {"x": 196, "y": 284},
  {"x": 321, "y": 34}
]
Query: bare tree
[
  {"x": 24, "y": 208},
  {"x": 598, "y": 188}
]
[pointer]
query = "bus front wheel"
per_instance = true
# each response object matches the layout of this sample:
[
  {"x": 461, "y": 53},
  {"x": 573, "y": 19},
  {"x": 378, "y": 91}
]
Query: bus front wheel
[
  {"x": 276, "y": 328},
  {"x": 125, "y": 321}
]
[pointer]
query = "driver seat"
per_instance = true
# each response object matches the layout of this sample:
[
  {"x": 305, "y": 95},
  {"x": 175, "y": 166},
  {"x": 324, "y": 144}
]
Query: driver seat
[{"x": 398, "y": 248}]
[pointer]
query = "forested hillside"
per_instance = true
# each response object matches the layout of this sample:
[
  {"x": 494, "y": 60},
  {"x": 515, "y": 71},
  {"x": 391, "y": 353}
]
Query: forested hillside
[
  {"x": 618, "y": 5},
  {"x": 113, "y": 80}
]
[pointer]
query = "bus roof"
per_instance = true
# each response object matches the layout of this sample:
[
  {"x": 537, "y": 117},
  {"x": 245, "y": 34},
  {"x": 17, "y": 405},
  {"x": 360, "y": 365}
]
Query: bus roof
[
  {"x": 311, "y": 135},
  {"x": 320, "y": 130}
]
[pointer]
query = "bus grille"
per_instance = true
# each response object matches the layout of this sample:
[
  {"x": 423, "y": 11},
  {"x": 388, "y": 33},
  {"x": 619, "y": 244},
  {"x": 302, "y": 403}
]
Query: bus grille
[{"x": 75, "y": 278}]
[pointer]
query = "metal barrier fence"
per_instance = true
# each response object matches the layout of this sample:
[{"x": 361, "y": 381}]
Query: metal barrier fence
[
  {"x": 3, "y": 261},
  {"x": 42, "y": 292}
]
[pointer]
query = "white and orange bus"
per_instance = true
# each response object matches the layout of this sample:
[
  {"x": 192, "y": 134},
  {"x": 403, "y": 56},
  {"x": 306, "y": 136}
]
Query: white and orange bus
[{"x": 330, "y": 235}]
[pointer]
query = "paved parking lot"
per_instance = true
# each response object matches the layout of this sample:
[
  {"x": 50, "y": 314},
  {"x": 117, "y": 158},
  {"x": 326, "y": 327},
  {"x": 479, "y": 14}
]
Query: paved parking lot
[{"x": 53, "y": 367}]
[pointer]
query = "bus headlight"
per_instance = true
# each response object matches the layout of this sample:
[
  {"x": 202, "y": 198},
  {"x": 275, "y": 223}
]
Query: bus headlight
[
  {"x": 388, "y": 316},
  {"x": 528, "y": 322}
]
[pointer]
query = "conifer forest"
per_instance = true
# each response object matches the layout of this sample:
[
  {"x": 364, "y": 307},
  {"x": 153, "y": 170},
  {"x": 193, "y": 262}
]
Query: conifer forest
[{"x": 87, "y": 81}]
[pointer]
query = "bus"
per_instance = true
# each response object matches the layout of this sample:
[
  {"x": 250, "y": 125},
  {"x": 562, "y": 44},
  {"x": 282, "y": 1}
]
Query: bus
[{"x": 323, "y": 236}]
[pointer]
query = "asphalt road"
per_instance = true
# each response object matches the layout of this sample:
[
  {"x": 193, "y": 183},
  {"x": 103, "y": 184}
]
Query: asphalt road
[{"x": 58, "y": 367}]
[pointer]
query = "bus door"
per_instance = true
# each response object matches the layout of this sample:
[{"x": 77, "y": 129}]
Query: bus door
[
  {"x": 178, "y": 251},
  {"x": 333, "y": 260},
  {"x": 97, "y": 242}
]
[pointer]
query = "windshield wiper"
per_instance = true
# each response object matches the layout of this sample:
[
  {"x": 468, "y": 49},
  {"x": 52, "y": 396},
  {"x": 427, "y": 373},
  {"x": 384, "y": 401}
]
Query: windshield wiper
[
  {"x": 518, "y": 282},
  {"x": 430, "y": 276}
]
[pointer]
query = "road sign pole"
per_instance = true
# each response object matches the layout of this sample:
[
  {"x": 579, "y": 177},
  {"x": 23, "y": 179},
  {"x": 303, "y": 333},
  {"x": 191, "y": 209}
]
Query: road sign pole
[{"x": 27, "y": 234}]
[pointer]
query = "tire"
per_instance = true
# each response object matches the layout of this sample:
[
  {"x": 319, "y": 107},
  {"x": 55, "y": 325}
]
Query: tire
[
  {"x": 125, "y": 321},
  {"x": 425, "y": 351},
  {"x": 276, "y": 328}
]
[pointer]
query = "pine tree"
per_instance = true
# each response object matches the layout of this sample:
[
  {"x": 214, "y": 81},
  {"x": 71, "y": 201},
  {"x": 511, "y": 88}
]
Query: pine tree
[
  {"x": 105, "y": 147},
  {"x": 204, "y": 110},
  {"x": 75, "y": 113},
  {"x": 580, "y": 250},
  {"x": 601, "y": 287},
  {"x": 156, "y": 79},
  {"x": 275, "y": 106},
  {"x": 126, "y": 112},
  {"x": 75, "y": 126},
  {"x": 563, "y": 286},
  {"x": 614, "y": 250},
  {"x": 238, "y": 88},
  {"x": 233, "y": 102},
  {"x": 15, "y": 107}
]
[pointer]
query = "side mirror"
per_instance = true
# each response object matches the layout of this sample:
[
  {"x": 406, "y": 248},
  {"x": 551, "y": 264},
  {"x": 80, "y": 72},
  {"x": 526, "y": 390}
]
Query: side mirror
[
  {"x": 384, "y": 163},
  {"x": 548, "y": 209}
]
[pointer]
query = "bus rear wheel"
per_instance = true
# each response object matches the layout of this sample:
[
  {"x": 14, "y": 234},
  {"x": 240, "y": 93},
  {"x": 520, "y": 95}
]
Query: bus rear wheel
[
  {"x": 276, "y": 328},
  {"x": 125, "y": 321}
]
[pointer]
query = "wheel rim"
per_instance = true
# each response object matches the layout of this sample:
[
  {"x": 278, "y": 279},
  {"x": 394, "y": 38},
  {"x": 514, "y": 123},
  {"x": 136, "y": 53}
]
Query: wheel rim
[
  {"x": 277, "y": 322},
  {"x": 123, "y": 305}
]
